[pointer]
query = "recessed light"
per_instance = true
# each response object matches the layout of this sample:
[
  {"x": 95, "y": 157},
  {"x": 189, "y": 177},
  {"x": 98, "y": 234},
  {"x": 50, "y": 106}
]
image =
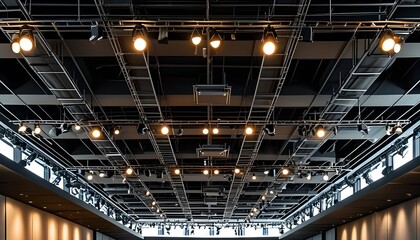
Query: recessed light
[
  {"x": 388, "y": 200},
  {"x": 30, "y": 202},
  {"x": 44, "y": 207},
  {"x": 21, "y": 194}
]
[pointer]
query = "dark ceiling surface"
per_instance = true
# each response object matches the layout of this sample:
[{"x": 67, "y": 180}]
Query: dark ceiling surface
[{"x": 106, "y": 83}]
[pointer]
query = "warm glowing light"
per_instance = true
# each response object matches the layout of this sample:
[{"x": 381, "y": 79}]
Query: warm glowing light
[
  {"x": 102, "y": 174},
  {"x": 216, "y": 172},
  {"x": 196, "y": 40},
  {"x": 205, "y": 131},
  {"x": 90, "y": 176},
  {"x": 77, "y": 127},
  {"x": 147, "y": 193},
  {"x": 249, "y": 130},
  {"x": 266, "y": 172},
  {"x": 164, "y": 130},
  {"x": 96, "y": 133},
  {"x": 269, "y": 47},
  {"x": 26, "y": 43},
  {"x": 215, "y": 43},
  {"x": 237, "y": 170},
  {"x": 177, "y": 171},
  {"x": 140, "y": 43},
  {"x": 285, "y": 171},
  {"x": 129, "y": 171},
  {"x": 320, "y": 132},
  {"x": 116, "y": 131},
  {"x": 37, "y": 129},
  {"x": 15, "y": 43},
  {"x": 325, "y": 177},
  {"x": 22, "y": 128},
  {"x": 206, "y": 172},
  {"x": 388, "y": 44},
  {"x": 153, "y": 203},
  {"x": 215, "y": 131},
  {"x": 255, "y": 210},
  {"x": 263, "y": 197},
  {"x": 254, "y": 177},
  {"x": 397, "y": 47}
]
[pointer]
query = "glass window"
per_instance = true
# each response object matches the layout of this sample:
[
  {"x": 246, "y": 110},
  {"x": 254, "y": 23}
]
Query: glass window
[
  {"x": 36, "y": 168},
  {"x": 6, "y": 150},
  {"x": 346, "y": 192},
  {"x": 403, "y": 157}
]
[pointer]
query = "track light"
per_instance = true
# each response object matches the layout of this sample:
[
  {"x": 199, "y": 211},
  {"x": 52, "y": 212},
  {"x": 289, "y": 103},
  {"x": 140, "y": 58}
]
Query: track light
[
  {"x": 308, "y": 176},
  {"x": 37, "y": 129},
  {"x": 177, "y": 171},
  {"x": 270, "y": 129},
  {"x": 116, "y": 130},
  {"x": 266, "y": 172},
  {"x": 95, "y": 33},
  {"x": 363, "y": 128},
  {"x": 22, "y": 128},
  {"x": 77, "y": 127},
  {"x": 249, "y": 130},
  {"x": 26, "y": 41},
  {"x": 206, "y": 172},
  {"x": 270, "y": 38},
  {"x": 216, "y": 172},
  {"x": 254, "y": 177},
  {"x": 129, "y": 171},
  {"x": 147, "y": 193},
  {"x": 326, "y": 177},
  {"x": 255, "y": 210},
  {"x": 142, "y": 129},
  {"x": 205, "y": 131},
  {"x": 96, "y": 132},
  {"x": 215, "y": 130},
  {"x": 387, "y": 42},
  {"x": 139, "y": 38},
  {"x": 398, "y": 129},
  {"x": 215, "y": 40},
  {"x": 195, "y": 37},
  {"x": 153, "y": 203},
  {"x": 179, "y": 132},
  {"x": 320, "y": 131},
  {"x": 398, "y": 46},
  {"x": 15, "y": 43},
  {"x": 164, "y": 130},
  {"x": 237, "y": 171},
  {"x": 285, "y": 171},
  {"x": 102, "y": 174},
  {"x": 388, "y": 130},
  {"x": 90, "y": 176}
]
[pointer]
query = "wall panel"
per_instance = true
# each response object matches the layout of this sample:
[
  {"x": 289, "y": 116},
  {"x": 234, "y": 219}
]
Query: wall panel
[
  {"x": 402, "y": 221},
  {"x": 381, "y": 225},
  {"x": 18, "y": 220},
  {"x": 2, "y": 218}
]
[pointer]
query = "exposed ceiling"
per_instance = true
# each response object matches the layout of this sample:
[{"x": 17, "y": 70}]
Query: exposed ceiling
[{"x": 333, "y": 80}]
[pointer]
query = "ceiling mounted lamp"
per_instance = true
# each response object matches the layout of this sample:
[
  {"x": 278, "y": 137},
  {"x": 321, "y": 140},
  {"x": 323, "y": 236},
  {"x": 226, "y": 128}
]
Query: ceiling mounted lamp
[
  {"x": 270, "y": 41},
  {"x": 102, "y": 174},
  {"x": 142, "y": 129},
  {"x": 129, "y": 171},
  {"x": 96, "y": 132},
  {"x": 387, "y": 42},
  {"x": 389, "y": 130},
  {"x": 205, "y": 131},
  {"x": 15, "y": 45},
  {"x": 90, "y": 176},
  {"x": 320, "y": 131},
  {"x": 22, "y": 128},
  {"x": 285, "y": 171},
  {"x": 215, "y": 131},
  {"x": 116, "y": 131},
  {"x": 164, "y": 130},
  {"x": 37, "y": 129},
  {"x": 270, "y": 129},
  {"x": 266, "y": 172},
  {"x": 308, "y": 176},
  {"x": 254, "y": 177},
  {"x": 195, "y": 37},
  {"x": 177, "y": 171},
  {"x": 179, "y": 132},
  {"x": 26, "y": 41},
  {"x": 139, "y": 38},
  {"x": 325, "y": 176},
  {"x": 206, "y": 172},
  {"x": 237, "y": 170},
  {"x": 216, "y": 172},
  {"x": 249, "y": 130},
  {"x": 77, "y": 127},
  {"x": 215, "y": 40},
  {"x": 398, "y": 129}
]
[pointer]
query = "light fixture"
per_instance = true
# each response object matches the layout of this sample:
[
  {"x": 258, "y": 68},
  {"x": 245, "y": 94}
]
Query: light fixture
[
  {"x": 266, "y": 172},
  {"x": 153, "y": 203},
  {"x": 285, "y": 171},
  {"x": 326, "y": 177},
  {"x": 363, "y": 128},
  {"x": 96, "y": 132},
  {"x": 237, "y": 170},
  {"x": 129, "y": 171},
  {"x": 320, "y": 131},
  {"x": 37, "y": 129},
  {"x": 102, "y": 174},
  {"x": 388, "y": 129},
  {"x": 249, "y": 130},
  {"x": 164, "y": 130},
  {"x": 139, "y": 38},
  {"x": 95, "y": 33},
  {"x": 195, "y": 37},
  {"x": 22, "y": 128},
  {"x": 205, "y": 131},
  {"x": 270, "y": 129},
  {"x": 142, "y": 129},
  {"x": 177, "y": 171},
  {"x": 206, "y": 172},
  {"x": 255, "y": 210},
  {"x": 263, "y": 197},
  {"x": 90, "y": 176},
  {"x": 116, "y": 130},
  {"x": 398, "y": 129},
  {"x": 397, "y": 46},
  {"x": 308, "y": 176},
  {"x": 147, "y": 193},
  {"x": 15, "y": 43},
  {"x": 254, "y": 177},
  {"x": 26, "y": 41},
  {"x": 387, "y": 42},
  {"x": 179, "y": 132},
  {"x": 77, "y": 127},
  {"x": 270, "y": 38},
  {"x": 216, "y": 172},
  {"x": 215, "y": 130},
  {"x": 215, "y": 40}
]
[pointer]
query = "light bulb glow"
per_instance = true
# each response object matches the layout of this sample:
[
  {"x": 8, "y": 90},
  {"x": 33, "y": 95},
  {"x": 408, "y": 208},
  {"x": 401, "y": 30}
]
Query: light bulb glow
[
  {"x": 96, "y": 133},
  {"x": 140, "y": 44},
  {"x": 388, "y": 44},
  {"x": 237, "y": 170},
  {"x": 177, "y": 171},
  {"x": 325, "y": 177},
  {"x": 77, "y": 127},
  {"x": 269, "y": 47},
  {"x": 15, "y": 47},
  {"x": 26, "y": 43},
  {"x": 285, "y": 171},
  {"x": 37, "y": 129},
  {"x": 216, "y": 172},
  {"x": 22, "y": 128},
  {"x": 215, "y": 131},
  {"x": 205, "y": 131},
  {"x": 254, "y": 177},
  {"x": 102, "y": 174},
  {"x": 215, "y": 43},
  {"x": 196, "y": 40},
  {"x": 206, "y": 172},
  {"x": 249, "y": 130},
  {"x": 164, "y": 130},
  {"x": 320, "y": 132},
  {"x": 90, "y": 176},
  {"x": 397, "y": 47},
  {"x": 129, "y": 171},
  {"x": 116, "y": 131}
]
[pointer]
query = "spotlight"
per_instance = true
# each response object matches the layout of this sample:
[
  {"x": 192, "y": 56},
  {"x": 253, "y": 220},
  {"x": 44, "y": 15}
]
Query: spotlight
[
  {"x": 195, "y": 37},
  {"x": 96, "y": 132},
  {"x": 320, "y": 131},
  {"x": 237, "y": 171},
  {"x": 142, "y": 128},
  {"x": 285, "y": 171},
  {"x": 255, "y": 210},
  {"x": 270, "y": 37},
  {"x": 325, "y": 177},
  {"x": 139, "y": 38},
  {"x": 266, "y": 172},
  {"x": 254, "y": 177},
  {"x": 398, "y": 129},
  {"x": 205, "y": 131},
  {"x": 147, "y": 193},
  {"x": 26, "y": 41},
  {"x": 22, "y": 128},
  {"x": 388, "y": 129},
  {"x": 95, "y": 33},
  {"x": 363, "y": 128},
  {"x": 90, "y": 176},
  {"x": 15, "y": 43},
  {"x": 177, "y": 171},
  {"x": 164, "y": 130},
  {"x": 37, "y": 129},
  {"x": 397, "y": 47},
  {"x": 216, "y": 172},
  {"x": 215, "y": 40},
  {"x": 102, "y": 174},
  {"x": 270, "y": 129},
  {"x": 147, "y": 172},
  {"x": 249, "y": 130},
  {"x": 215, "y": 130},
  {"x": 206, "y": 172},
  {"x": 387, "y": 42},
  {"x": 308, "y": 176},
  {"x": 116, "y": 130},
  {"x": 77, "y": 127},
  {"x": 153, "y": 203},
  {"x": 179, "y": 132},
  {"x": 263, "y": 197},
  {"x": 129, "y": 171}
]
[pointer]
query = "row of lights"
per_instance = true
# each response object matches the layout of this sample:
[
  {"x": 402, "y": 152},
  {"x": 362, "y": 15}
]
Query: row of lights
[{"x": 165, "y": 130}]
